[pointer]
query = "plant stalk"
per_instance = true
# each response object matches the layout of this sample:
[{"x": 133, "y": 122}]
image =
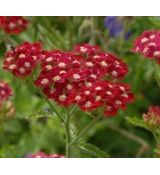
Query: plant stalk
[
  {"x": 92, "y": 123},
  {"x": 68, "y": 135}
]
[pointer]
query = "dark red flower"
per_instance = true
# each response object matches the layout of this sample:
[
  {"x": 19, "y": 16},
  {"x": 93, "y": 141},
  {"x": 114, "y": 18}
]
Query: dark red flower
[
  {"x": 41, "y": 154},
  {"x": 86, "y": 49},
  {"x": 148, "y": 44},
  {"x": 13, "y": 24},
  {"x": 152, "y": 118},
  {"x": 5, "y": 92},
  {"x": 81, "y": 77},
  {"x": 22, "y": 60}
]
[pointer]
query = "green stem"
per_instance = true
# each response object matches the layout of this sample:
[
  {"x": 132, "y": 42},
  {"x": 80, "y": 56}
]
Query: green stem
[
  {"x": 46, "y": 99},
  {"x": 137, "y": 74},
  {"x": 73, "y": 110},
  {"x": 92, "y": 123},
  {"x": 51, "y": 105},
  {"x": 68, "y": 135}
]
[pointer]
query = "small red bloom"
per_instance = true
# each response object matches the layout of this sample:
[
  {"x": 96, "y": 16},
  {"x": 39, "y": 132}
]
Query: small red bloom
[
  {"x": 86, "y": 49},
  {"x": 148, "y": 44},
  {"x": 23, "y": 59},
  {"x": 111, "y": 96},
  {"x": 5, "y": 92},
  {"x": 13, "y": 24},
  {"x": 41, "y": 154},
  {"x": 152, "y": 118}
]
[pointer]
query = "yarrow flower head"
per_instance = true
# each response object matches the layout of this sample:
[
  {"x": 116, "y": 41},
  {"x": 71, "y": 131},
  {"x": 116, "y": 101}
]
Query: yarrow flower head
[
  {"x": 13, "y": 24},
  {"x": 21, "y": 60},
  {"x": 148, "y": 44},
  {"x": 41, "y": 154},
  {"x": 5, "y": 92},
  {"x": 152, "y": 118},
  {"x": 81, "y": 77}
]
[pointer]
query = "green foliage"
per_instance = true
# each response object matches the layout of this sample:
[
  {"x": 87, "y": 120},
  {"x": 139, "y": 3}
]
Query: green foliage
[
  {"x": 137, "y": 122},
  {"x": 81, "y": 149},
  {"x": 90, "y": 150},
  {"x": 157, "y": 73}
]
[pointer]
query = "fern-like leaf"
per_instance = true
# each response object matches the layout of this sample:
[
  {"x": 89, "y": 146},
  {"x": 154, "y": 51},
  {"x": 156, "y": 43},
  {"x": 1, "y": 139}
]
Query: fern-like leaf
[
  {"x": 41, "y": 114},
  {"x": 137, "y": 122},
  {"x": 91, "y": 150}
]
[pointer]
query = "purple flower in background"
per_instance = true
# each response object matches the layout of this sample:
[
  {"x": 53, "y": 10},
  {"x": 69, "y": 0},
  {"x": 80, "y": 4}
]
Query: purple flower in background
[
  {"x": 115, "y": 26},
  {"x": 127, "y": 35}
]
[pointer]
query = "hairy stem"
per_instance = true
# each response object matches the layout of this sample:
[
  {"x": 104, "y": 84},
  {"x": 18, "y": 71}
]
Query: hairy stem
[
  {"x": 92, "y": 123},
  {"x": 51, "y": 105},
  {"x": 46, "y": 99},
  {"x": 68, "y": 135}
]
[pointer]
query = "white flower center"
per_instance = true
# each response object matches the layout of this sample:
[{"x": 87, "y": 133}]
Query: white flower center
[
  {"x": 12, "y": 66},
  {"x": 49, "y": 59},
  {"x": 22, "y": 70},
  {"x": 122, "y": 88},
  {"x": 76, "y": 76},
  {"x": 27, "y": 64},
  {"x": 62, "y": 97},
  {"x": 109, "y": 93},
  {"x": 83, "y": 49},
  {"x": 62, "y": 72},
  {"x": 125, "y": 95},
  {"x": 145, "y": 49},
  {"x": 88, "y": 104},
  {"x": 96, "y": 56},
  {"x": 118, "y": 102},
  {"x": 45, "y": 81},
  {"x": 103, "y": 63},
  {"x": 114, "y": 73},
  {"x": 89, "y": 64},
  {"x": 2, "y": 92},
  {"x": 144, "y": 40},
  {"x": 48, "y": 67},
  {"x": 75, "y": 62},
  {"x": 62, "y": 65},
  {"x": 22, "y": 55},
  {"x": 152, "y": 36},
  {"x": 98, "y": 98},
  {"x": 12, "y": 25},
  {"x": 98, "y": 88},
  {"x": 87, "y": 92},
  {"x": 78, "y": 97},
  {"x": 69, "y": 87},
  {"x": 88, "y": 84},
  {"x": 93, "y": 76},
  {"x": 56, "y": 78},
  {"x": 151, "y": 44},
  {"x": 9, "y": 59},
  {"x": 157, "y": 53}
]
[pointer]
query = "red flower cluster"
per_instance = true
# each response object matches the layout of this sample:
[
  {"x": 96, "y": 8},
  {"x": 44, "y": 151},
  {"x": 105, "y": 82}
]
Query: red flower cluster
[
  {"x": 23, "y": 59},
  {"x": 41, "y": 154},
  {"x": 152, "y": 118},
  {"x": 5, "y": 92},
  {"x": 148, "y": 44},
  {"x": 80, "y": 77},
  {"x": 13, "y": 24}
]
